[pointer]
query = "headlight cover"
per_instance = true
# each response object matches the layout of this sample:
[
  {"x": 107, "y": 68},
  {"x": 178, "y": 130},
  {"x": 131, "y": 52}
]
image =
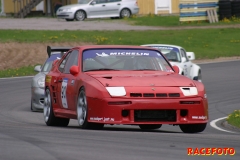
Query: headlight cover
[
  {"x": 41, "y": 82},
  {"x": 189, "y": 91},
  {"x": 116, "y": 91}
]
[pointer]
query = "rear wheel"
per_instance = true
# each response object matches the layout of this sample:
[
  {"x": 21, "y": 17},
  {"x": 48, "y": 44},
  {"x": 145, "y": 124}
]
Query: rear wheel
[
  {"x": 80, "y": 15},
  {"x": 125, "y": 13},
  {"x": 48, "y": 114},
  {"x": 150, "y": 126},
  {"x": 82, "y": 112},
  {"x": 193, "y": 128}
]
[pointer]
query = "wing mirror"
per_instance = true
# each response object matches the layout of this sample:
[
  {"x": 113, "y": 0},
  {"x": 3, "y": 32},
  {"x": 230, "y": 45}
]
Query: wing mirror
[
  {"x": 190, "y": 55},
  {"x": 38, "y": 68},
  {"x": 176, "y": 69},
  {"x": 74, "y": 70},
  {"x": 184, "y": 60},
  {"x": 93, "y": 3}
]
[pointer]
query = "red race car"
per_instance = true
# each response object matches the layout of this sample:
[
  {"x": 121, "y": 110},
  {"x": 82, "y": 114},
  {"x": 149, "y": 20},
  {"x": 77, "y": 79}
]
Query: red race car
[{"x": 130, "y": 85}]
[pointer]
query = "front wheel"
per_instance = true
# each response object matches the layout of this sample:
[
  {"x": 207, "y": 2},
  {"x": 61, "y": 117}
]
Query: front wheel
[
  {"x": 82, "y": 112},
  {"x": 48, "y": 114},
  {"x": 193, "y": 128},
  {"x": 150, "y": 126},
  {"x": 125, "y": 13},
  {"x": 80, "y": 15},
  {"x": 198, "y": 77}
]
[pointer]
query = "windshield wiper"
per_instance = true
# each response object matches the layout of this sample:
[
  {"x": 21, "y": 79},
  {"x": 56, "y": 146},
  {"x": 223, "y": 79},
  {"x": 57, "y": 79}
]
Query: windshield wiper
[{"x": 101, "y": 69}]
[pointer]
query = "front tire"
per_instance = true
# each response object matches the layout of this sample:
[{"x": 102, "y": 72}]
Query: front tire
[
  {"x": 125, "y": 13},
  {"x": 80, "y": 15},
  {"x": 199, "y": 77},
  {"x": 150, "y": 126},
  {"x": 193, "y": 128},
  {"x": 82, "y": 112},
  {"x": 48, "y": 114}
]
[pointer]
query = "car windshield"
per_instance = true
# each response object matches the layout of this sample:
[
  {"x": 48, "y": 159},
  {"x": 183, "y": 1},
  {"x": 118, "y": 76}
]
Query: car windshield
[
  {"x": 48, "y": 64},
  {"x": 171, "y": 53},
  {"x": 124, "y": 59},
  {"x": 83, "y": 1}
]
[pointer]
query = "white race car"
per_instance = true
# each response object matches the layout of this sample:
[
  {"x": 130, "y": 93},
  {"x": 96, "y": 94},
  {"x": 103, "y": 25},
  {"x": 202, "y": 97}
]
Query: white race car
[{"x": 178, "y": 56}]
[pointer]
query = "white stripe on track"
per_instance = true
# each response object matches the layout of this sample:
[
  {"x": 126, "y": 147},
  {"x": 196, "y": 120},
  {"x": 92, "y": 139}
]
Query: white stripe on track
[{"x": 213, "y": 124}]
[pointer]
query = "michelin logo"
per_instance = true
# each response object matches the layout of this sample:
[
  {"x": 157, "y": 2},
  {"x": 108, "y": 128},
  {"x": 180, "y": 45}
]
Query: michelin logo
[{"x": 102, "y": 55}]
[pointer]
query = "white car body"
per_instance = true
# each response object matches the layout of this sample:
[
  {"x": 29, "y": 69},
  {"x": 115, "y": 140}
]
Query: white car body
[
  {"x": 98, "y": 9},
  {"x": 178, "y": 56}
]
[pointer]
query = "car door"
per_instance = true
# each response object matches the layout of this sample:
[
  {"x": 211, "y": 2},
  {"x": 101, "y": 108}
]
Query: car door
[
  {"x": 113, "y": 8},
  {"x": 66, "y": 82},
  {"x": 98, "y": 9},
  {"x": 187, "y": 65}
]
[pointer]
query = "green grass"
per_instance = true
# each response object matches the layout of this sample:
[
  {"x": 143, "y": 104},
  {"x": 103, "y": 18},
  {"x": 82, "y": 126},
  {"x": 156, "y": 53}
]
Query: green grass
[
  {"x": 206, "y": 43},
  {"x": 23, "y": 71},
  {"x": 173, "y": 21},
  {"x": 234, "y": 118}
]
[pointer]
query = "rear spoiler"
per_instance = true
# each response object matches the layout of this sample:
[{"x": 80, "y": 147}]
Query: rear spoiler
[{"x": 57, "y": 49}]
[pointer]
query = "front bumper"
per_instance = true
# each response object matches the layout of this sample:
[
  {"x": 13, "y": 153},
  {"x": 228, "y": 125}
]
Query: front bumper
[
  {"x": 37, "y": 98},
  {"x": 148, "y": 111},
  {"x": 65, "y": 15}
]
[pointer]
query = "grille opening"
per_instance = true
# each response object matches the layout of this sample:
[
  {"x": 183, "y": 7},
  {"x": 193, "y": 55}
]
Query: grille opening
[
  {"x": 189, "y": 102},
  {"x": 120, "y": 103},
  {"x": 135, "y": 94},
  {"x": 41, "y": 101},
  {"x": 125, "y": 113},
  {"x": 148, "y": 95},
  {"x": 161, "y": 95},
  {"x": 183, "y": 112},
  {"x": 174, "y": 95},
  {"x": 155, "y": 115},
  {"x": 108, "y": 77}
]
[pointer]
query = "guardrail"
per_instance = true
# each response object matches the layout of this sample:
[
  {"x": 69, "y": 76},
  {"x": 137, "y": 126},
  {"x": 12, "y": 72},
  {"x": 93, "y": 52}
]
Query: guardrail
[{"x": 196, "y": 10}]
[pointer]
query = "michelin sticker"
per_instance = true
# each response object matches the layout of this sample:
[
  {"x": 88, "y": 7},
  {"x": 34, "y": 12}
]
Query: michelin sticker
[{"x": 63, "y": 92}]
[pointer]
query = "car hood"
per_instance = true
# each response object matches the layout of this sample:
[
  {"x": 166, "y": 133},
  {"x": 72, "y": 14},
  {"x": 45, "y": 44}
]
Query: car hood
[{"x": 142, "y": 79}]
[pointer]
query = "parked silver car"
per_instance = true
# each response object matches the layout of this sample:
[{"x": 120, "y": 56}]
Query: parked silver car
[
  {"x": 38, "y": 81},
  {"x": 98, "y": 9}
]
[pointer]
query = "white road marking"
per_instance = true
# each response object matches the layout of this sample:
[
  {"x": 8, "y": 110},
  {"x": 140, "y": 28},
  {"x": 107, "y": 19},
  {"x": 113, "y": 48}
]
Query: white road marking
[
  {"x": 16, "y": 77},
  {"x": 213, "y": 124}
]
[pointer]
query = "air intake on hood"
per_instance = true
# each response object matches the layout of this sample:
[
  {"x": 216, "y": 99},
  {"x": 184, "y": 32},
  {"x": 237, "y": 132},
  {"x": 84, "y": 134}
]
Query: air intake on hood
[{"x": 135, "y": 94}]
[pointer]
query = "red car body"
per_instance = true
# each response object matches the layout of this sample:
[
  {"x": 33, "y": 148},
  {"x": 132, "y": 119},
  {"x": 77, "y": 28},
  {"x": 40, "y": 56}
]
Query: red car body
[{"x": 144, "y": 97}]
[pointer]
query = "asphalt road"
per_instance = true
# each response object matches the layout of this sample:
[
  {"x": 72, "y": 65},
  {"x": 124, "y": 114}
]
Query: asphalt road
[{"x": 24, "y": 135}]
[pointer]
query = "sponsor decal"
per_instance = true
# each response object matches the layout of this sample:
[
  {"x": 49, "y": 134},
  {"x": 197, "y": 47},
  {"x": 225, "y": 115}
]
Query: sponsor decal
[
  {"x": 48, "y": 79},
  {"x": 199, "y": 117},
  {"x": 210, "y": 151},
  {"x": 103, "y": 119},
  {"x": 63, "y": 93}
]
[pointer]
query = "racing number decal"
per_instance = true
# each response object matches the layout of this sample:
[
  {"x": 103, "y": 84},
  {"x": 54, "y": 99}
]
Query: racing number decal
[{"x": 63, "y": 92}]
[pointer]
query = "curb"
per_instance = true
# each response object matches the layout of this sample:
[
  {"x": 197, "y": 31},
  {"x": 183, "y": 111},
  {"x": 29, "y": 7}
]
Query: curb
[{"x": 225, "y": 124}]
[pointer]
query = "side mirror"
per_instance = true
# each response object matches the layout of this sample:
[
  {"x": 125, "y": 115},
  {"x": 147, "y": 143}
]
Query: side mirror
[
  {"x": 74, "y": 70},
  {"x": 184, "y": 60},
  {"x": 190, "y": 55},
  {"x": 38, "y": 68},
  {"x": 176, "y": 69},
  {"x": 93, "y": 3}
]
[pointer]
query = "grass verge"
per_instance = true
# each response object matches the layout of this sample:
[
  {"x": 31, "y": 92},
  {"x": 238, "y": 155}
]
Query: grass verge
[
  {"x": 234, "y": 118},
  {"x": 205, "y": 43},
  {"x": 23, "y": 71},
  {"x": 173, "y": 21}
]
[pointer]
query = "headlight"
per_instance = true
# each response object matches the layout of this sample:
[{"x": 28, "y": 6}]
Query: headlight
[
  {"x": 189, "y": 91},
  {"x": 116, "y": 91},
  {"x": 41, "y": 82},
  {"x": 65, "y": 10}
]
